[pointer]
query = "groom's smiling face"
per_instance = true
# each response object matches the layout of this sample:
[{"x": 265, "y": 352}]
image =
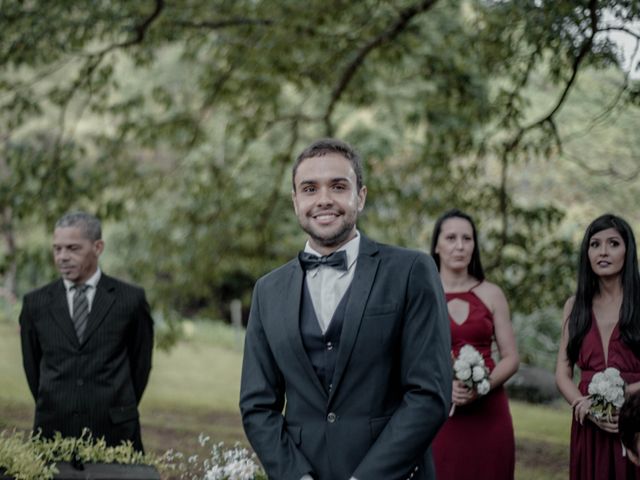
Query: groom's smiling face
[{"x": 327, "y": 201}]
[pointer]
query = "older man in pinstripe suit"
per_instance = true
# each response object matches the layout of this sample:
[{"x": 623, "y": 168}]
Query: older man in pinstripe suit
[{"x": 87, "y": 341}]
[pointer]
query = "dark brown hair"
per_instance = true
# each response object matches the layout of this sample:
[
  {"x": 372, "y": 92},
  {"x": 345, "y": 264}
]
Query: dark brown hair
[{"x": 325, "y": 146}]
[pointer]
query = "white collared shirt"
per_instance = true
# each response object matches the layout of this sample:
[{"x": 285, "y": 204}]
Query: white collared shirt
[
  {"x": 327, "y": 285},
  {"x": 91, "y": 291}
]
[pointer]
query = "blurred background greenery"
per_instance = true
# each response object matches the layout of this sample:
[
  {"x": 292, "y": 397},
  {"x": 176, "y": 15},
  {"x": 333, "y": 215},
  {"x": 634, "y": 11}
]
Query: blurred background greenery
[{"x": 177, "y": 123}]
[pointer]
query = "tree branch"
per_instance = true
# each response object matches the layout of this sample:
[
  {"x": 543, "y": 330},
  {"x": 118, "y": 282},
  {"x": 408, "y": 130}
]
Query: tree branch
[
  {"x": 219, "y": 24},
  {"x": 510, "y": 147},
  {"x": 620, "y": 29},
  {"x": 392, "y": 32},
  {"x": 610, "y": 170},
  {"x": 585, "y": 49},
  {"x": 140, "y": 30}
]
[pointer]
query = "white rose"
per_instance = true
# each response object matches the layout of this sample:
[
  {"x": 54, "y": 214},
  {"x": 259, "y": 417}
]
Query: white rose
[
  {"x": 461, "y": 365},
  {"x": 611, "y": 372},
  {"x": 483, "y": 387},
  {"x": 463, "y": 374},
  {"x": 470, "y": 354},
  {"x": 478, "y": 373}
]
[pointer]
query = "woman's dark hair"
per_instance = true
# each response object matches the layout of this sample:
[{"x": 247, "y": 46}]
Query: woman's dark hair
[
  {"x": 589, "y": 285},
  {"x": 629, "y": 422},
  {"x": 475, "y": 266}
]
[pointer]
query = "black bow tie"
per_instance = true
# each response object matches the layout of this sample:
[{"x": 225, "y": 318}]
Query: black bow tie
[{"x": 309, "y": 261}]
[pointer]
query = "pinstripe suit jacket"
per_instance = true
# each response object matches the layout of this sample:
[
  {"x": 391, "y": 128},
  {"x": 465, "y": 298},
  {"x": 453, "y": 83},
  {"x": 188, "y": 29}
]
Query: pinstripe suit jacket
[{"x": 97, "y": 383}]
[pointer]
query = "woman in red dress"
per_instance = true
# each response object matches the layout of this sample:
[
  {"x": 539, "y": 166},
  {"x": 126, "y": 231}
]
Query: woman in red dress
[
  {"x": 477, "y": 441},
  {"x": 601, "y": 329}
]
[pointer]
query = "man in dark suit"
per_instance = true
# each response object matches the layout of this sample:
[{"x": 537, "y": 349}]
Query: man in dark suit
[
  {"x": 347, "y": 364},
  {"x": 87, "y": 340}
]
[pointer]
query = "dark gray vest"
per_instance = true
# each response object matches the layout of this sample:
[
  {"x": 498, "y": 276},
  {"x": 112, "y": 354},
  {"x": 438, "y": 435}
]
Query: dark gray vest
[{"x": 322, "y": 349}]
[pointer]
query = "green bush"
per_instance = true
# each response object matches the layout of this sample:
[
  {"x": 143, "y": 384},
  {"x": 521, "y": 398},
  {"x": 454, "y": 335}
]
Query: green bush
[
  {"x": 538, "y": 336},
  {"x": 31, "y": 457}
]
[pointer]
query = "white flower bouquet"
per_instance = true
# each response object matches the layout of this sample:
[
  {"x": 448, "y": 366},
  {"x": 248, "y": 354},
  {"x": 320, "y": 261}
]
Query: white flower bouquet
[
  {"x": 470, "y": 369},
  {"x": 233, "y": 464},
  {"x": 221, "y": 463},
  {"x": 606, "y": 391}
]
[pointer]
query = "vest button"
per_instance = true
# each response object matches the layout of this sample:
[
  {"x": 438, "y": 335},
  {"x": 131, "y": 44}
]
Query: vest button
[
  {"x": 329, "y": 346},
  {"x": 332, "y": 417}
]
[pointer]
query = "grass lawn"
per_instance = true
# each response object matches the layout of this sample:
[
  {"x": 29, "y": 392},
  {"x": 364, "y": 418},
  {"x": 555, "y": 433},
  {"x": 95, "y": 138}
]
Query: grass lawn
[{"x": 194, "y": 389}]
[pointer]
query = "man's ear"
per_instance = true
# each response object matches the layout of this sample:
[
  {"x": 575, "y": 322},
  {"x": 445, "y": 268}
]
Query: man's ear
[
  {"x": 98, "y": 246},
  {"x": 362, "y": 198}
]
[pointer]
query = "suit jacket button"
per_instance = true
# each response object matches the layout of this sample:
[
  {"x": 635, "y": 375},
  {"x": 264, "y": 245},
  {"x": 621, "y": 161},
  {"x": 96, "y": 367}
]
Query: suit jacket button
[
  {"x": 79, "y": 382},
  {"x": 331, "y": 418}
]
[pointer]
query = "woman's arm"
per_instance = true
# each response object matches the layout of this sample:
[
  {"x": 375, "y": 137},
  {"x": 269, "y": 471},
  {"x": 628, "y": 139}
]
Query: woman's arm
[
  {"x": 631, "y": 388},
  {"x": 564, "y": 368},
  {"x": 581, "y": 404},
  {"x": 505, "y": 338},
  {"x": 493, "y": 297}
]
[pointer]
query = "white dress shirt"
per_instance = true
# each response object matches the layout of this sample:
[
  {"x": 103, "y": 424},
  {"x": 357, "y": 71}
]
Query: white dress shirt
[
  {"x": 90, "y": 292},
  {"x": 327, "y": 285}
]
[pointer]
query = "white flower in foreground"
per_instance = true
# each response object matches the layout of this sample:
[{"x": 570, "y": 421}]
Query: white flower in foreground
[
  {"x": 470, "y": 369},
  {"x": 470, "y": 355},
  {"x": 478, "y": 373},
  {"x": 463, "y": 373},
  {"x": 483, "y": 387},
  {"x": 606, "y": 390}
]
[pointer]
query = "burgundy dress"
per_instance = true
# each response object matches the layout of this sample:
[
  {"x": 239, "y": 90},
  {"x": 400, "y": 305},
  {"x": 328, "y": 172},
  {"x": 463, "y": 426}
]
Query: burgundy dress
[
  {"x": 477, "y": 441},
  {"x": 596, "y": 454}
]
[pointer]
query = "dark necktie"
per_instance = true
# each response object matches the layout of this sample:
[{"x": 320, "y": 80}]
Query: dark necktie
[
  {"x": 309, "y": 261},
  {"x": 80, "y": 309}
]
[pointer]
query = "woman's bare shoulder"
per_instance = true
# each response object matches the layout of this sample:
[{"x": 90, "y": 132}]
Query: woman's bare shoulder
[
  {"x": 489, "y": 289},
  {"x": 490, "y": 294}
]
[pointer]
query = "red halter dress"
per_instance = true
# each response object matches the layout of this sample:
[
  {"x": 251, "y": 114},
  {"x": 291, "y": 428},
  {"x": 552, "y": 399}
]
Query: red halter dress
[{"x": 477, "y": 441}]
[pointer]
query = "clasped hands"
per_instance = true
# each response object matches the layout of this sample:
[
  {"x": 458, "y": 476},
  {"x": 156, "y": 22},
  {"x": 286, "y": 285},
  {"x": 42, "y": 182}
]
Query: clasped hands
[
  {"x": 461, "y": 394},
  {"x": 582, "y": 409}
]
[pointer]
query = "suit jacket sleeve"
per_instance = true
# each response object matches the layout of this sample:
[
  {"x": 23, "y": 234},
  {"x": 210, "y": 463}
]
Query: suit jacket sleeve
[
  {"x": 426, "y": 378},
  {"x": 262, "y": 398},
  {"x": 140, "y": 346},
  {"x": 31, "y": 351}
]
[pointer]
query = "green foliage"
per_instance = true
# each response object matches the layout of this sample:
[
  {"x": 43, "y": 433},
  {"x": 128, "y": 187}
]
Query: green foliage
[
  {"x": 20, "y": 459},
  {"x": 178, "y": 122},
  {"x": 538, "y": 336},
  {"x": 34, "y": 458}
]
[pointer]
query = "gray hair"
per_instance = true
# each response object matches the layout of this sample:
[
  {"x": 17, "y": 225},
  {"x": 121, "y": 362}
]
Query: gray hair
[{"x": 89, "y": 224}]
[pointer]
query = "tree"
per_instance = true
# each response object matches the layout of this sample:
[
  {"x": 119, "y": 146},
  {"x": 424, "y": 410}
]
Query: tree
[{"x": 203, "y": 106}]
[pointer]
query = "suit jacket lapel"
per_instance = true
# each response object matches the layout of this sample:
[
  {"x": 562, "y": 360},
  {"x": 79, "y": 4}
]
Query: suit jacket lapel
[
  {"x": 60, "y": 310},
  {"x": 361, "y": 284},
  {"x": 291, "y": 296},
  {"x": 101, "y": 304}
]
